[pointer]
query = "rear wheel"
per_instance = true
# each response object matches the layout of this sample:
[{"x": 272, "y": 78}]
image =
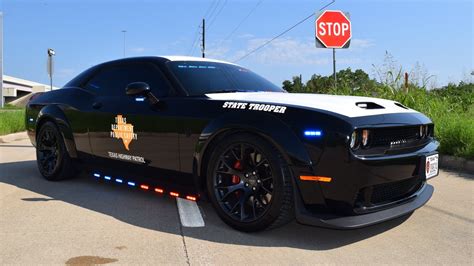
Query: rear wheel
[
  {"x": 52, "y": 158},
  {"x": 249, "y": 183}
]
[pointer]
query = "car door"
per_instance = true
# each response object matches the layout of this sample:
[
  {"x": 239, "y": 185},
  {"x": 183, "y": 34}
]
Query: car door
[{"x": 128, "y": 132}]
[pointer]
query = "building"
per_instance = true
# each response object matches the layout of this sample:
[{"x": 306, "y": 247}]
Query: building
[{"x": 15, "y": 88}]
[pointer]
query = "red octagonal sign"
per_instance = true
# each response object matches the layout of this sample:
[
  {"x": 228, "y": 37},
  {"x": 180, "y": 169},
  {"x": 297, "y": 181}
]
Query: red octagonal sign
[{"x": 333, "y": 29}]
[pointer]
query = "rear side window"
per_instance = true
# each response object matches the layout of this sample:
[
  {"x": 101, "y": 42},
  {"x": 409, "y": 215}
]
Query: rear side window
[{"x": 112, "y": 80}]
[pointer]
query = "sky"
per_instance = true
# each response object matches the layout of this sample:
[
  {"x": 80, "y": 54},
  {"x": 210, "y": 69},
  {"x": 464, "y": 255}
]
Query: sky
[{"x": 435, "y": 35}]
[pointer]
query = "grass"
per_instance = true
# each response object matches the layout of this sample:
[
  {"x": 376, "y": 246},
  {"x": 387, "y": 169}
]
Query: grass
[{"x": 11, "y": 120}]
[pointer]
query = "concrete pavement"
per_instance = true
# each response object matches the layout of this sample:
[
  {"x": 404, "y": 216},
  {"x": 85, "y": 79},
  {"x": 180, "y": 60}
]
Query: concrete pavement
[{"x": 87, "y": 222}]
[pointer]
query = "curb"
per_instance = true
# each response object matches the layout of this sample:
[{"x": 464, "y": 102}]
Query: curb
[
  {"x": 455, "y": 163},
  {"x": 13, "y": 137}
]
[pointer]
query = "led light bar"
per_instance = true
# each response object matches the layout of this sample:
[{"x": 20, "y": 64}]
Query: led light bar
[
  {"x": 191, "y": 198},
  {"x": 145, "y": 187},
  {"x": 313, "y": 133}
]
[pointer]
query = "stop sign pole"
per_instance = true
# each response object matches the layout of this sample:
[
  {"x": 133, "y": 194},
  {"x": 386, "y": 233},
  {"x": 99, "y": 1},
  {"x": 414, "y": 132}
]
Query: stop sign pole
[{"x": 333, "y": 30}]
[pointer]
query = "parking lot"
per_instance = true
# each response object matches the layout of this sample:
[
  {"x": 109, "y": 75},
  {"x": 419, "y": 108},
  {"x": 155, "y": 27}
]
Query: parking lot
[{"x": 87, "y": 222}]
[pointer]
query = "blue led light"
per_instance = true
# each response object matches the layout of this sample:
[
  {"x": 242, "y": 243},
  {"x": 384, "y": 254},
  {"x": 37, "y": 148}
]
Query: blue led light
[
  {"x": 131, "y": 184},
  {"x": 118, "y": 180},
  {"x": 182, "y": 66},
  {"x": 313, "y": 133},
  {"x": 193, "y": 67},
  {"x": 31, "y": 119},
  {"x": 142, "y": 99},
  {"x": 96, "y": 175},
  {"x": 107, "y": 178}
]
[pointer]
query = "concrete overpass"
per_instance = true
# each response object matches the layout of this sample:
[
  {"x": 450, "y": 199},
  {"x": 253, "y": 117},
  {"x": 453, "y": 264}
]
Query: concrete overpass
[{"x": 15, "y": 88}]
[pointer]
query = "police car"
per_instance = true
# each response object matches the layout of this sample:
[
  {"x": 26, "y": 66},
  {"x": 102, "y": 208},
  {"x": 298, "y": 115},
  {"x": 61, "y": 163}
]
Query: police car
[{"x": 199, "y": 128}]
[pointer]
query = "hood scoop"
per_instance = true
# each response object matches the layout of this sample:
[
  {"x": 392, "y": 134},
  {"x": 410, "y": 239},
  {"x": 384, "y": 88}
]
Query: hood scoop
[{"x": 369, "y": 105}]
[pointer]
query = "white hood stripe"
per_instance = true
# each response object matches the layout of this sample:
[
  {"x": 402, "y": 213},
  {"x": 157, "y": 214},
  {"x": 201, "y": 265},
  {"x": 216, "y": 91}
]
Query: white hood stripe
[{"x": 343, "y": 105}]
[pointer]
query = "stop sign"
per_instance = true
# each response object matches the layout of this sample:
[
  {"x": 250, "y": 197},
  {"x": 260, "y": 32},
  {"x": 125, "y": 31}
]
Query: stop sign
[{"x": 333, "y": 29}]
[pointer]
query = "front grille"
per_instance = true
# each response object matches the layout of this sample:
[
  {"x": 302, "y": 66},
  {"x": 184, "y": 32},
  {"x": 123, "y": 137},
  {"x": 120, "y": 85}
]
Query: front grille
[
  {"x": 394, "y": 191},
  {"x": 394, "y": 136},
  {"x": 388, "y": 192}
]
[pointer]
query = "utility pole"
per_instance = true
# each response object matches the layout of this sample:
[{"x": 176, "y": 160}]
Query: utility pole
[
  {"x": 1, "y": 60},
  {"x": 334, "y": 66},
  {"x": 203, "y": 44},
  {"x": 124, "y": 31}
]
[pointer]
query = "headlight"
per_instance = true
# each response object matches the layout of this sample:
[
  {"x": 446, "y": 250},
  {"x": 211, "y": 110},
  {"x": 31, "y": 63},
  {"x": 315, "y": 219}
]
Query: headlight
[
  {"x": 353, "y": 143},
  {"x": 365, "y": 137}
]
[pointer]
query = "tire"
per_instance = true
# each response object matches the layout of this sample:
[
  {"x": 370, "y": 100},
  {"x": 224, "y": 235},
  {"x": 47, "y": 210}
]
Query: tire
[
  {"x": 251, "y": 190},
  {"x": 52, "y": 158}
]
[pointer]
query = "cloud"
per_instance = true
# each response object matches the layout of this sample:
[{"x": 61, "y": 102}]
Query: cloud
[
  {"x": 286, "y": 51},
  {"x": 246, "y": 36},
  {"x": 361, "y": 43},
  {"x": 138, "y": 49}
]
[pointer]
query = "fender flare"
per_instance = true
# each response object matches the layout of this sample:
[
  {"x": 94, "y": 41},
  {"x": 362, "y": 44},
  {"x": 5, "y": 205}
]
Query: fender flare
[
  {"x": 265, "y": 125},
  {"x": 55, "y": 114}
]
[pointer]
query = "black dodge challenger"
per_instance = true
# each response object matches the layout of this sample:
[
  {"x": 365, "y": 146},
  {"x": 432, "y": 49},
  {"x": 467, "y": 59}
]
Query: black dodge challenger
[{"x": 191, "y": 127}]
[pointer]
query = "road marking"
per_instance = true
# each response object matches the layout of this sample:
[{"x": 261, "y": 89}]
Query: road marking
[{"x": 189, "y": 213}]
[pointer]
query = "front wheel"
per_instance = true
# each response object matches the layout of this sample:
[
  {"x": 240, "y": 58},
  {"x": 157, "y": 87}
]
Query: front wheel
[
  {"x": 249, "y": 183},
  {"x": 52, "y": 158}
]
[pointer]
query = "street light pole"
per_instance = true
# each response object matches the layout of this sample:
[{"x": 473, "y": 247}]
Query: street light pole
[
  {"x": 124, "y": 31},
  {"x": 51, "y": 53}
]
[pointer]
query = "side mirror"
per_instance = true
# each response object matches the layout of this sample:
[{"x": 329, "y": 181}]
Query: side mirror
[{"x": 137, "y": 88}]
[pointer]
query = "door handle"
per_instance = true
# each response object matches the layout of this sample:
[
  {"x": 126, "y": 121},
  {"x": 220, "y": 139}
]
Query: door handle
[{"x": 96, "y": 105}]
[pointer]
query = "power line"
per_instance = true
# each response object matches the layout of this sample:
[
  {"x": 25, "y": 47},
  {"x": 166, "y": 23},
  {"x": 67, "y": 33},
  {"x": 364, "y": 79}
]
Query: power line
[
  {"x": 191, "y": 50},
  {"x": 283, "y": 33},
  {"x": 241, "y": 22},
  {"x": 217, "y": 14},
  {"x": 213, "y": 10},
  {"x": 209, "y": 8}
]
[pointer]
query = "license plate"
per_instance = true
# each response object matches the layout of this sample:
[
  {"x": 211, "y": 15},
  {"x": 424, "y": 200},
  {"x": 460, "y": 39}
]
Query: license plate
[{"x": 431, "y": 166}]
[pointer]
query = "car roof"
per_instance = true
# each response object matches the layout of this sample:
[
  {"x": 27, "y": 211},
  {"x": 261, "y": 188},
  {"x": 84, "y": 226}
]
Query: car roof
[
  {"x": 164, "y": 59},
  {"x": 193, "y": 58}
]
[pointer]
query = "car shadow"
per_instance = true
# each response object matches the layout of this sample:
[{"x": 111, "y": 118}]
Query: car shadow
[{"x": 154, "y": 212}]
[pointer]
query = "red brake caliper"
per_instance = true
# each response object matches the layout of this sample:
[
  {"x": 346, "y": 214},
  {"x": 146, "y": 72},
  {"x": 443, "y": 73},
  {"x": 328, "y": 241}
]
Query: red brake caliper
[{"x": 235, "y": 178}]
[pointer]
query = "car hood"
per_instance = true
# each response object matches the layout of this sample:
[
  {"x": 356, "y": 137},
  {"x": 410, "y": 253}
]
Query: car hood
[{"x": 350, "y": 106}]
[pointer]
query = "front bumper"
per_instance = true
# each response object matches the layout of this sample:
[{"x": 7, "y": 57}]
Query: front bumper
[
  {"x": 356, "y": 221},
  {"x": 363, "y": 190}
]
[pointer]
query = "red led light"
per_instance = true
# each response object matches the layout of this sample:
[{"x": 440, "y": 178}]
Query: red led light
[
  {"x": 191, "y": 198},
  {"x": 174, "y": 194},
  {"x": 159, "y": 190},
  {"x": 144, "y": 187}
]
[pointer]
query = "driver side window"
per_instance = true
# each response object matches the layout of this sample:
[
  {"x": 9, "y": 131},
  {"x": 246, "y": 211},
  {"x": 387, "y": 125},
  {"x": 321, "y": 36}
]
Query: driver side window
[{"x": 112, "y": 80}]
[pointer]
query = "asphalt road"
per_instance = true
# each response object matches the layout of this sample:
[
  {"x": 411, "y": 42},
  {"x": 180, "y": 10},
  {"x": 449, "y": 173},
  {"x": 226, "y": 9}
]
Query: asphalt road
[{"x": 83, "y": 221}]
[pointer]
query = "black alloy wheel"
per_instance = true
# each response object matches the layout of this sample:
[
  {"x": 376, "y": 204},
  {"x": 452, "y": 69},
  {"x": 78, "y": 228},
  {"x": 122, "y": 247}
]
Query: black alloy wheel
[
  {"x": 48, "y": 151},
  {"x": 243, "y": 182},
  {"x": 53, "y": 161},
  {"x": 249, "y": 183}
]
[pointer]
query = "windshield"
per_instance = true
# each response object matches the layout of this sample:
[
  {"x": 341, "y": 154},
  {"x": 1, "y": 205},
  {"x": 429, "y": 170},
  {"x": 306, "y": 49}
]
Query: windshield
[{"x": 199, "y": 78}]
